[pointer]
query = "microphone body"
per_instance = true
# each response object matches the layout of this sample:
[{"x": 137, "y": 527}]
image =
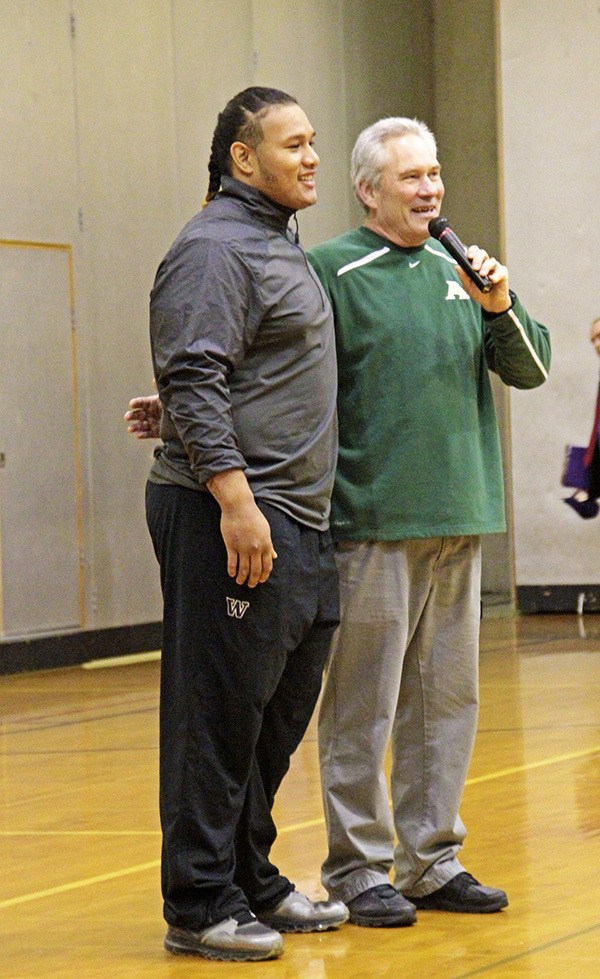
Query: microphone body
[{"x": 440, "y": 228}]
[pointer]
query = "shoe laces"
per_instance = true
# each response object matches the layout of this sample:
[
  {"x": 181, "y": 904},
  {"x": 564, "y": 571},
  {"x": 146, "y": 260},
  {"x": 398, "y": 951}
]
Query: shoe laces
[
  {"x": 244, "y": 917},
  {"x": 467, "y": 878},
  {"x": 385, "y": 890}
]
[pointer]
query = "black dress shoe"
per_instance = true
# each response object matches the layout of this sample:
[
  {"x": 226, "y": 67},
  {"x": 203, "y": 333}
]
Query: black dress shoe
[
  {"x": 463, "y": 894},
  {"x": 381, "y": 906}
]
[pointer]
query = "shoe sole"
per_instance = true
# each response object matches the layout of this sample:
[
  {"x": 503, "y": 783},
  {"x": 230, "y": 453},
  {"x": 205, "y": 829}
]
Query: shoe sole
[
  {"x": 289, "y": 927},
  {"x": 384, "y": 921},
  {"x": 460, "y": 909},
  {"x": 224, "y": 954}
]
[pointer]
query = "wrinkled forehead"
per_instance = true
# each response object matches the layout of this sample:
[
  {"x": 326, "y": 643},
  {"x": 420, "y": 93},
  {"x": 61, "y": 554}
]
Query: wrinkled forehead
[{"x": 409, "y": 150}]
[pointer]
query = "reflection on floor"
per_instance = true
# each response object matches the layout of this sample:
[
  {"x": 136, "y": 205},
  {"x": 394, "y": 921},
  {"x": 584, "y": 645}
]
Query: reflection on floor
[{"x": 80, "y": 842}]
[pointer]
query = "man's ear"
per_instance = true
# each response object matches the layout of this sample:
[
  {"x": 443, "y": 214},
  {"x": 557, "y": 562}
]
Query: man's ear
[
  {"x": 241, "y": 155},
  {"x": 366, "y": 194}
]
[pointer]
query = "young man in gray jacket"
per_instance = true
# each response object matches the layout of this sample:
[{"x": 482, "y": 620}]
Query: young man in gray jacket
[{"x": 237, "y": 506}]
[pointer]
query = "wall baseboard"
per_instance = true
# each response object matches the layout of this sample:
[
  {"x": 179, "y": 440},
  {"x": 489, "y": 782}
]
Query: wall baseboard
[
  {"x": 73, "y": 648},
  {"x": 558, "y": 598}
]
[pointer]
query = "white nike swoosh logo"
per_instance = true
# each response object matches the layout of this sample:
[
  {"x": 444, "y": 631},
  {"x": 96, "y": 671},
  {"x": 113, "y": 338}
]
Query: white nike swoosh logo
[{"x": 413, "y": 265}]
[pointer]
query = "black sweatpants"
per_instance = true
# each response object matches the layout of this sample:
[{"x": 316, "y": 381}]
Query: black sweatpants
[{"x": 240, "y": 675}]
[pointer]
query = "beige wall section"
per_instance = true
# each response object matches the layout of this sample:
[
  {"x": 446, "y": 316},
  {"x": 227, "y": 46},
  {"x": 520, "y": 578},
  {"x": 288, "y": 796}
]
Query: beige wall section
[
  {"x": 466, "y": 117},
  {"x": 212, "y": 58},
  {"x": 389, "y": 61},
  {"x": 127, "y": 200},
  {"x": 388, "y": 56},
  {"x": 37, "y": 144},
  {"x": 468, "y": 133},
  {"x": 299, "y": 47},
  {"x": 38, "y": 162},
  {"x": 108, "y": 113},
  {"x": 551, "y": 107}
]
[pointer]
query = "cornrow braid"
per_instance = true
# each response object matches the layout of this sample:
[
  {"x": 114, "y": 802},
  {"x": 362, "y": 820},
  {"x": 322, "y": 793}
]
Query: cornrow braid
[{"x": 240, "y": 119}]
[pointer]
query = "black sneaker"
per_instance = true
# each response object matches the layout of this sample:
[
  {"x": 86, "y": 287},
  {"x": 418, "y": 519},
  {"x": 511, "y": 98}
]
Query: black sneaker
[
  {"x": 463, "y": 894},
  {"x": 381, "y": 906},
  {"x": 228, "y": 941}
]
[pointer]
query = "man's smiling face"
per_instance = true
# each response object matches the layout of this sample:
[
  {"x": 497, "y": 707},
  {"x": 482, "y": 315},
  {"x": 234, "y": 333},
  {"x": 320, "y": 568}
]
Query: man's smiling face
[
  {"x": 409, "y": 193},
  {"x": 284, "y": 163}
]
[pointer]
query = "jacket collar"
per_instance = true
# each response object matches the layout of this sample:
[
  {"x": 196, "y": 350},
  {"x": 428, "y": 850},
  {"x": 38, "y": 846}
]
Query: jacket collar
[{"x": 273, "y": 214}]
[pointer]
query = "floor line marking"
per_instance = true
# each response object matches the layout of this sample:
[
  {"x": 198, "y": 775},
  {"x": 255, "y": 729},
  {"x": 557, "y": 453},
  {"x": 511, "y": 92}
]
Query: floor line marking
[
  {"x": 530, "y": 766},
  {"x": 306, "y": 825},
  {"x": 527, "y": 952},
  {"x": 77, "y": 884},
  {"x": 293, "y": 828},
  {"x": 80, "y": 832},
  {"x": 131, "y": 660}
]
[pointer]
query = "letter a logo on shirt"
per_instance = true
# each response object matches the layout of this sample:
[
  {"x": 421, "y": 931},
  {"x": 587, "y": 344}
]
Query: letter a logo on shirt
[
  {"x": 236, "y": 608},
  {"x": 455, "y": 290}
]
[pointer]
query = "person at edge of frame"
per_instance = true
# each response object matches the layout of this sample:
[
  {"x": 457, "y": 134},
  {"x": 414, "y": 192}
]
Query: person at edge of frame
[{"x": 585, "y": 498}]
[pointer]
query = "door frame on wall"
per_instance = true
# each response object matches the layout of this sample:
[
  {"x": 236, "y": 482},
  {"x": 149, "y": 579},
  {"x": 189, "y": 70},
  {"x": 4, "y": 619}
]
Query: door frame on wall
[{"x": 67, "y": 250}]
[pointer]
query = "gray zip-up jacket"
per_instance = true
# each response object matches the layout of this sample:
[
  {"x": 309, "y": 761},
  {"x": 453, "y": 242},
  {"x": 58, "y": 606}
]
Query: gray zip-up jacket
[{"x": 244, "y": 357}]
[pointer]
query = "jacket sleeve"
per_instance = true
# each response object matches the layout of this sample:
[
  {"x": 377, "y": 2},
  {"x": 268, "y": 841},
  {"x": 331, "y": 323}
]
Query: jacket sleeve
[
  {"x": 517, "y": 348},
  {"x": 204, "y": 311}
]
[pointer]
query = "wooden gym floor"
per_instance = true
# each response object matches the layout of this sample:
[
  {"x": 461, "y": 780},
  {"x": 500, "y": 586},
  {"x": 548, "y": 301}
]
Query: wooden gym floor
[{"x": 80, "y": 843}]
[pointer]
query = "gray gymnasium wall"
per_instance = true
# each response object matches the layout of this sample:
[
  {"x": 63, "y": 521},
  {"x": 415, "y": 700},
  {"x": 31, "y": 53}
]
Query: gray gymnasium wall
[
  {"x": 108, "y": 110},
  {"x": 107, "y": 114},
  {"x": 550, "y": 84},
  {"x": 467, "y": 128}
]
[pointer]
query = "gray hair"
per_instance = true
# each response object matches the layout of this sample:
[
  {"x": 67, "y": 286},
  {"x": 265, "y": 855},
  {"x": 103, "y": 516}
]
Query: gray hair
[{"x": 369, "y": 154}]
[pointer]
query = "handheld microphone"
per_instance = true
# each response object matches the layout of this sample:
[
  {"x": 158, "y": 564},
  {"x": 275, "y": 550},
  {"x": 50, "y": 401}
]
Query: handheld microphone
[{"x": 440, "y": 228}]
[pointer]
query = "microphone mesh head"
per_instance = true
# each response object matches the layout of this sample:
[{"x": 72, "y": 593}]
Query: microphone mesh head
[{"x": 437, "y": 225}]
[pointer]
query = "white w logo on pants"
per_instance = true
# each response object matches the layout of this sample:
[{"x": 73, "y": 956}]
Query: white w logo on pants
[{"x": 236, "y": 608}]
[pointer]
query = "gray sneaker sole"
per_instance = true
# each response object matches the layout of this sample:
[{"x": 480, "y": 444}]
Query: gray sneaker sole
[
  {"x": 290, "y": 926},
  {"x": 223, "y": 954}
]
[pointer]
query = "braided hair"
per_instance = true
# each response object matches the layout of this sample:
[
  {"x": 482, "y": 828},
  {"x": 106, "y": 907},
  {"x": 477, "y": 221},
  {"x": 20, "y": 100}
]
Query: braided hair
[{"x": 240, "y": 120}]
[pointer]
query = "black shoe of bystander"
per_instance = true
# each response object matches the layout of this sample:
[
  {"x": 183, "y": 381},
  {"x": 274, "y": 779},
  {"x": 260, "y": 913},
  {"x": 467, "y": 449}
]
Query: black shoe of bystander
[{"x": 463, "y": 894}]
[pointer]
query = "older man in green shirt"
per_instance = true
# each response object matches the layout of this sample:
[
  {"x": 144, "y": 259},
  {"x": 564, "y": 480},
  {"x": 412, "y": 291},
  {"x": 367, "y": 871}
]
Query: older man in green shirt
[{"x": 419, "y": 478}]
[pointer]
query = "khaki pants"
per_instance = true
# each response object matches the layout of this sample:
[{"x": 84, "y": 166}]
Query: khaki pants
[{"x": 403, "y": 669}]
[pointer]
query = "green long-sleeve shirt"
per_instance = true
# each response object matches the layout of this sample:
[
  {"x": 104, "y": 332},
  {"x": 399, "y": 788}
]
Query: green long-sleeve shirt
[{"x": 419, "y": 446}]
